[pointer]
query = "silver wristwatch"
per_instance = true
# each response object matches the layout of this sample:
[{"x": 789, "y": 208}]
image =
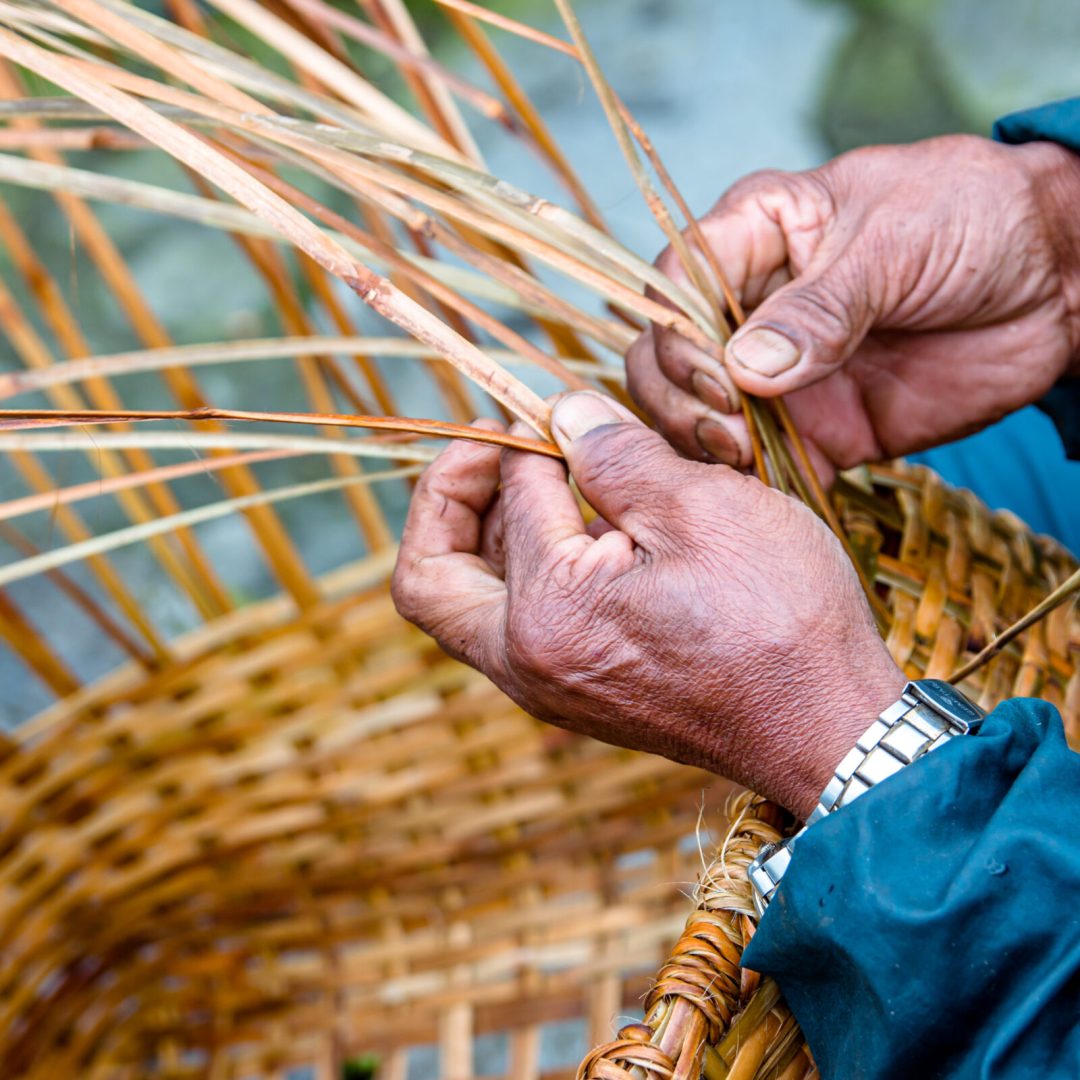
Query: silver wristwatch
[{"x": 929, "y": 713}]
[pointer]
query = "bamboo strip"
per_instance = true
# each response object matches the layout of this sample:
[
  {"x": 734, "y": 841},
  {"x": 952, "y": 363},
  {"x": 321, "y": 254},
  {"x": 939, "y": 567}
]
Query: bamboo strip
[
  {"x": 275, "y": 543},
  {"x": 14, "y": 383},
  {"x": 426, "y": 82},
  {"x": 189, "y": 567},
  {"x": 375, "y": 291},
  {"x": 20, "y": 636},
  {"x": 81, "y": 599},
  {"x": 22, "y": 419},
  {"x": 91, "y": 547}
]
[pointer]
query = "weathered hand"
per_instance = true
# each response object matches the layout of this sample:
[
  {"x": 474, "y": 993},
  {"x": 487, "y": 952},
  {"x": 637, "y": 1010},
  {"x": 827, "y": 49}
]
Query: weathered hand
[
  {"x": 704, "y": 617},
  {"x": 901, "y": 296}
]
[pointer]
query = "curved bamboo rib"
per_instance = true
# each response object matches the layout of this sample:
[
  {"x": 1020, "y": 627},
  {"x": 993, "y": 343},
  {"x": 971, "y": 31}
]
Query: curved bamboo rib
[
  {"x": 33, "y": 419},
  {"x": 376, "y": 291}
]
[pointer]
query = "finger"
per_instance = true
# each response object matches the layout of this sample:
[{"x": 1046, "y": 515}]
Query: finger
[
  {"x": 542, "y": 522},
  {"x": 674, "y": 411},
  {"x": 440, "y": 582},
  {"x": 686, "y": 421},
  {"x": 492, "y": 542},
  {"x": 452, "y": 496},
  {"x": 726, "y": 440},
  {"x": 678, "y": 360},
  {"x": 746, "y": 234},
  {"x": 628, "y": 473},
  {"x": 805, "y": 331},
  {"x": 695, "y": 372},
  {"x": 758, "y": 227}
]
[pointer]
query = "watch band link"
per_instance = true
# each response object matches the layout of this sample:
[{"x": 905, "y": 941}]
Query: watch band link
[{"x": 929, "y": 714}]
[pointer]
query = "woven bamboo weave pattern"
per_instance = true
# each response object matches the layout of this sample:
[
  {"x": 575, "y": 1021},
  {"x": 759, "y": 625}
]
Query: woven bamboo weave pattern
[{"x": 342, "y": 843}]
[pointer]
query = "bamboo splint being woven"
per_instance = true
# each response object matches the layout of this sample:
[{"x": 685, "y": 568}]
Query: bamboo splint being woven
[{"x": 289, "y": 834}]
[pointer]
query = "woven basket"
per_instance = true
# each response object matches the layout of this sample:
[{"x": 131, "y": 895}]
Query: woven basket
[
  {"x": 311, "y": 839},
  {"x": 953, "y": 576}
]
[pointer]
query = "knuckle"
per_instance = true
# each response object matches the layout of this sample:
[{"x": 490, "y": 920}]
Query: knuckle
[
  {"x": 409, "y": 591},
  {"x": 650, "y": 484},
  {"x": 763, "y": 178},
  {"x": 536, "y": 646},
  {"x": 802, "y": 204},
  {"x": 750, "y": 188},
  {"x": 624, "y": 459},
  {"x": 828, "y": 302},
  {"x": 432, "y": 487},
  {"x": 403, "y": 592}
]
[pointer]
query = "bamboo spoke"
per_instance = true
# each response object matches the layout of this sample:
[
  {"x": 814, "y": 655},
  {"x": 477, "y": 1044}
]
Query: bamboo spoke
[{"x": 28, "y": 419}]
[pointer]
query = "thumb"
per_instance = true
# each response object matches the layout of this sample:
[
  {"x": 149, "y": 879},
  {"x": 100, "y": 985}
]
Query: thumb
[
  {"x": 628, "y": 473},
  {"x": 803, "y": 331}
]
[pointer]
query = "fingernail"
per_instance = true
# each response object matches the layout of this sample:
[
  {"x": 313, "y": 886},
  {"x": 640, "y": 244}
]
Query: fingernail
[
  {"x": 716, "y": 440},
  {"x": 711, "y": 392},
  {"x": 579, "y": 413},
  {"x": 765, "y": 352}
]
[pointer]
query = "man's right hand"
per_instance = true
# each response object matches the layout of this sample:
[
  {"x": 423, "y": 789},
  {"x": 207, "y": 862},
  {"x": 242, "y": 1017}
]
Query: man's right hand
[{"x": 900, "y": 296}]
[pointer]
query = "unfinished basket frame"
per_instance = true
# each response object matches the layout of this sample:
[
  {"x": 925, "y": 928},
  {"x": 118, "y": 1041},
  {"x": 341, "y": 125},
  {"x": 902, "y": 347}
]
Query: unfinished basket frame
[
  {"x": 300, "y": 833},
  {"x": 312, "y": 840}
]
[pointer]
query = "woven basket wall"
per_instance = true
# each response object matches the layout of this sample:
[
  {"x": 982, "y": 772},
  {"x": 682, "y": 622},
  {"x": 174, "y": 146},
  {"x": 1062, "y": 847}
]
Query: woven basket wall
[
  {"x": 299, "y": 834},
  {"x": 311, "y": 839}
]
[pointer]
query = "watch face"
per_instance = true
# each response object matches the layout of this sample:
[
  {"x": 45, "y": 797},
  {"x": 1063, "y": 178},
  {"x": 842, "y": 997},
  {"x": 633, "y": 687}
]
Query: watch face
[{"x": 947, "y": 700}]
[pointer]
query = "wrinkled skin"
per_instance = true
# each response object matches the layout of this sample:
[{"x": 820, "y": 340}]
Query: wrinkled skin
[
  {"x": 705, "y": 617},
  {"x": 926, "y": 291},
  {"x": 920, "y": 292}
]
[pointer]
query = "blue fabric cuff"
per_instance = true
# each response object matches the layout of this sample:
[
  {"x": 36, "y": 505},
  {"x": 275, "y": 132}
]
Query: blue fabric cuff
[
  {"x": 1062, "y": 405},
  {"x": 931, "y": 928},
  {"x": 1058, "y": 122}
]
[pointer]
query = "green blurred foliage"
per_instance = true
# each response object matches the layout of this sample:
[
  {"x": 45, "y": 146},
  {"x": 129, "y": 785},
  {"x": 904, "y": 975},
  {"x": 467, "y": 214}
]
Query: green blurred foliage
[
  {"x": 364, "y": 1068},
  {"x": 910, "y": 11},
  {"x": 908, "y": 69},
  {"x": 887, "y": 83}
]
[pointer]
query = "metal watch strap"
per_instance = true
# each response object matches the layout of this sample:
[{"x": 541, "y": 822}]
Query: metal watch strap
[{"x": 929, "y": 714}]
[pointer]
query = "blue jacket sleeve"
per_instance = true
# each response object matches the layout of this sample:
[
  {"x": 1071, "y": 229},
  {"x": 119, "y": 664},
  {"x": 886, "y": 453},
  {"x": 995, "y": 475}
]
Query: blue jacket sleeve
[
  {"x": 1057, "y": 122},
  {"x": 932, "y": 928}
]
